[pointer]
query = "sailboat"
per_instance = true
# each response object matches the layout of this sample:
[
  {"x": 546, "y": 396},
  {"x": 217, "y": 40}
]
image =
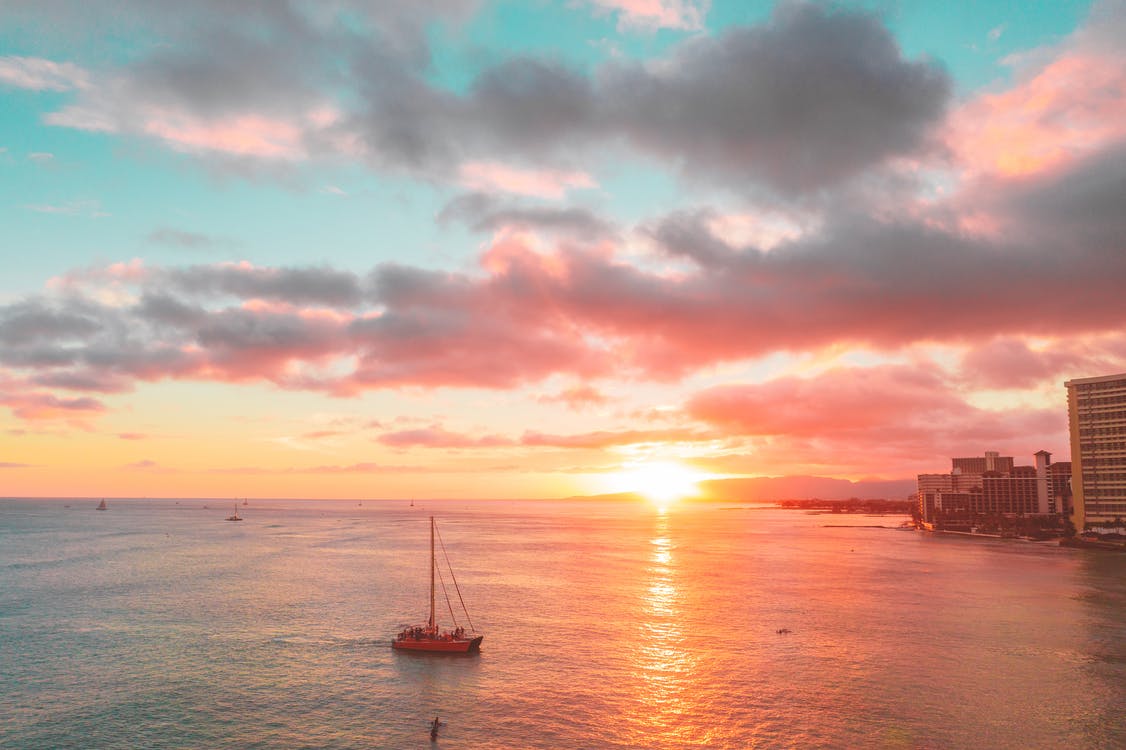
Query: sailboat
[
  {"x": 430, "y": 637},
  {"x": 101, "y": 505},
  {"x": 236, "y": 516}
]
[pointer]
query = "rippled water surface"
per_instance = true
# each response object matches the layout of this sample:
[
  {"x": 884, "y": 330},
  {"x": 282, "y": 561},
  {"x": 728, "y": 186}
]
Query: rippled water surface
[{"x": 156, "y": 624}]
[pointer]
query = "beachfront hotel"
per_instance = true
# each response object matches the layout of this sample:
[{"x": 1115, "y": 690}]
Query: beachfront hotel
[
  {"x": 991, "y": 485},
  {"x": 1096, "y": 409}
]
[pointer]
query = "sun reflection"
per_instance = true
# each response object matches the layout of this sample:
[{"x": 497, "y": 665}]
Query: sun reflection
[{"x": 663, "y": 666}]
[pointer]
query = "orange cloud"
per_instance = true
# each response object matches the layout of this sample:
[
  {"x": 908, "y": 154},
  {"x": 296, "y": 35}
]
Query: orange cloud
[
  {"x": 578, "y": 397},
  {"x": 611, "y": 438}
]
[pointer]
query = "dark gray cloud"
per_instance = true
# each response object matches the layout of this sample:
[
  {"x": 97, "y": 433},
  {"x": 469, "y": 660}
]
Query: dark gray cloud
[
  {"x": 805, "y": 101},
  {"x": 246, "y": 65},
  {"x": 234, "y": 337},
  {"x": 35, "y": 319},
  {"x": 402, "y": 121},
  {"x": 485, "y": 213},
  {"x": 1083, "y": 206},
  {"x": 162, "y": 309},
  {"x": 686, "y": 234},
  {"x": 529, "y": 105},
  {"x": 299, "y": 286}
]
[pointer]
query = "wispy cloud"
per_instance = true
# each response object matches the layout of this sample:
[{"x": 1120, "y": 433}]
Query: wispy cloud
[
  {"x": 436, "y": 437},
  {"x": 180, "y": 238},
  {"x": 143, "y": 465},
  {"x": 494, "y": 176},
  {"x": 39, "y": 74},
  {"x": 84, "y": 208}
]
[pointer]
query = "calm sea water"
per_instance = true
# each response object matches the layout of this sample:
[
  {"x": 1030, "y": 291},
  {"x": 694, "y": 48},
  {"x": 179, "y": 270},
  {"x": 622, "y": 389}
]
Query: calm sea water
[{"x": 159, "y": 625}]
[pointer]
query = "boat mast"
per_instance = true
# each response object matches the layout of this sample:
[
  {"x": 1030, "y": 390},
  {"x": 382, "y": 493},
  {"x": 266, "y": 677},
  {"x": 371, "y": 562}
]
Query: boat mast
[{"x": 430, "y": 623}]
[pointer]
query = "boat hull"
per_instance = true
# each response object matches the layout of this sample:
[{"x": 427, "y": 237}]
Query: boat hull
[{"x": 439, "y": 645}]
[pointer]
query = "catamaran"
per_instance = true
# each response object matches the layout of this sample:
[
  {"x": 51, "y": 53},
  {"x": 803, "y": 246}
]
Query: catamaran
[
  {"x": 101, "y": 505},
  {"x": 236, "y": 516},
  {"x": 430, "y": 637}
]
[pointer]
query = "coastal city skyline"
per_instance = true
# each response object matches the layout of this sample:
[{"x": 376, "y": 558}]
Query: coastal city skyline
[{"x": 490, "y": 249}]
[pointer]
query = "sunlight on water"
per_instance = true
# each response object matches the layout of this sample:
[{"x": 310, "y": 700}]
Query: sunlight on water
[{"x": 663, "y": 668}]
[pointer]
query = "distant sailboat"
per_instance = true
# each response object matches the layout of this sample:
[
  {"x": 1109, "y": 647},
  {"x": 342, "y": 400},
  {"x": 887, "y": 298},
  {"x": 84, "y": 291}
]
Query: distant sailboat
[
  {"x": 244, "y": 501},
  {"x": 236, "y": 516},
  {"x": 430, "y": 637},
  {"x": 101, "y": 505}
]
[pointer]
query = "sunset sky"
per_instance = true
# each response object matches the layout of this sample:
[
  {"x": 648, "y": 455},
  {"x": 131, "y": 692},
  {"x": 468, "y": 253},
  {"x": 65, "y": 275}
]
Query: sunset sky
[{"x": 459, "y": 248}]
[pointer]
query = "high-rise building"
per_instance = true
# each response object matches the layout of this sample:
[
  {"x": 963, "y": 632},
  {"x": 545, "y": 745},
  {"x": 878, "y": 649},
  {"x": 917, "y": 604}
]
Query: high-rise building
[
  {"x": 992, "y": 485},
  {"x": 1096, "y": 409},
  {"x": 991, "y": 461}
]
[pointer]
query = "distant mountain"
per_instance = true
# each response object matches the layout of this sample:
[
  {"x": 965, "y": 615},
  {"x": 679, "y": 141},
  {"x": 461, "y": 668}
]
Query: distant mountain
[{"x": 766, "y": 489}]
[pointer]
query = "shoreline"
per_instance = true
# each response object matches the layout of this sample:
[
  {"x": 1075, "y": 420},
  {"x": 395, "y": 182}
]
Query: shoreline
[{"x": 1061, "y": 541}]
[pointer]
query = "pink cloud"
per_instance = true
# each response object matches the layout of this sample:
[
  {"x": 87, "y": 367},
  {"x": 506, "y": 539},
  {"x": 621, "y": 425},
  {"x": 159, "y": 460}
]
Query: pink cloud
[
  {"x": 240, "y": 135},
  {"x": 35, "y": 406},
  {"x": 436, "y": 437},
  {"x": 1059, "y": 113},
  {"x": 1012, "y": 363},
  {"x": 885, "y": 421},
  {"x": 840, "y": 400},
  {"x": 539, "y": 183},
  {"x": 686, "y": 15},
  {"x": 104, "y": 281}
]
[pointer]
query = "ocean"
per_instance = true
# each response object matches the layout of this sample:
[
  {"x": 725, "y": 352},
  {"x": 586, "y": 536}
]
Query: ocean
[{"x": 156, "y": 624}]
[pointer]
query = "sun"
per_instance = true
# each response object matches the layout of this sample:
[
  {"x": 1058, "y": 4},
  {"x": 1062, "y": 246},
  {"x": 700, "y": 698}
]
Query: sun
[{"x": 661, "y": 483}]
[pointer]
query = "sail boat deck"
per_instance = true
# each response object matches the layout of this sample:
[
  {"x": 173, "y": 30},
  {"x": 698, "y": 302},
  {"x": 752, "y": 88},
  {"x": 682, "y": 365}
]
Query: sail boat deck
[{"x": 445, "y": 642}]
